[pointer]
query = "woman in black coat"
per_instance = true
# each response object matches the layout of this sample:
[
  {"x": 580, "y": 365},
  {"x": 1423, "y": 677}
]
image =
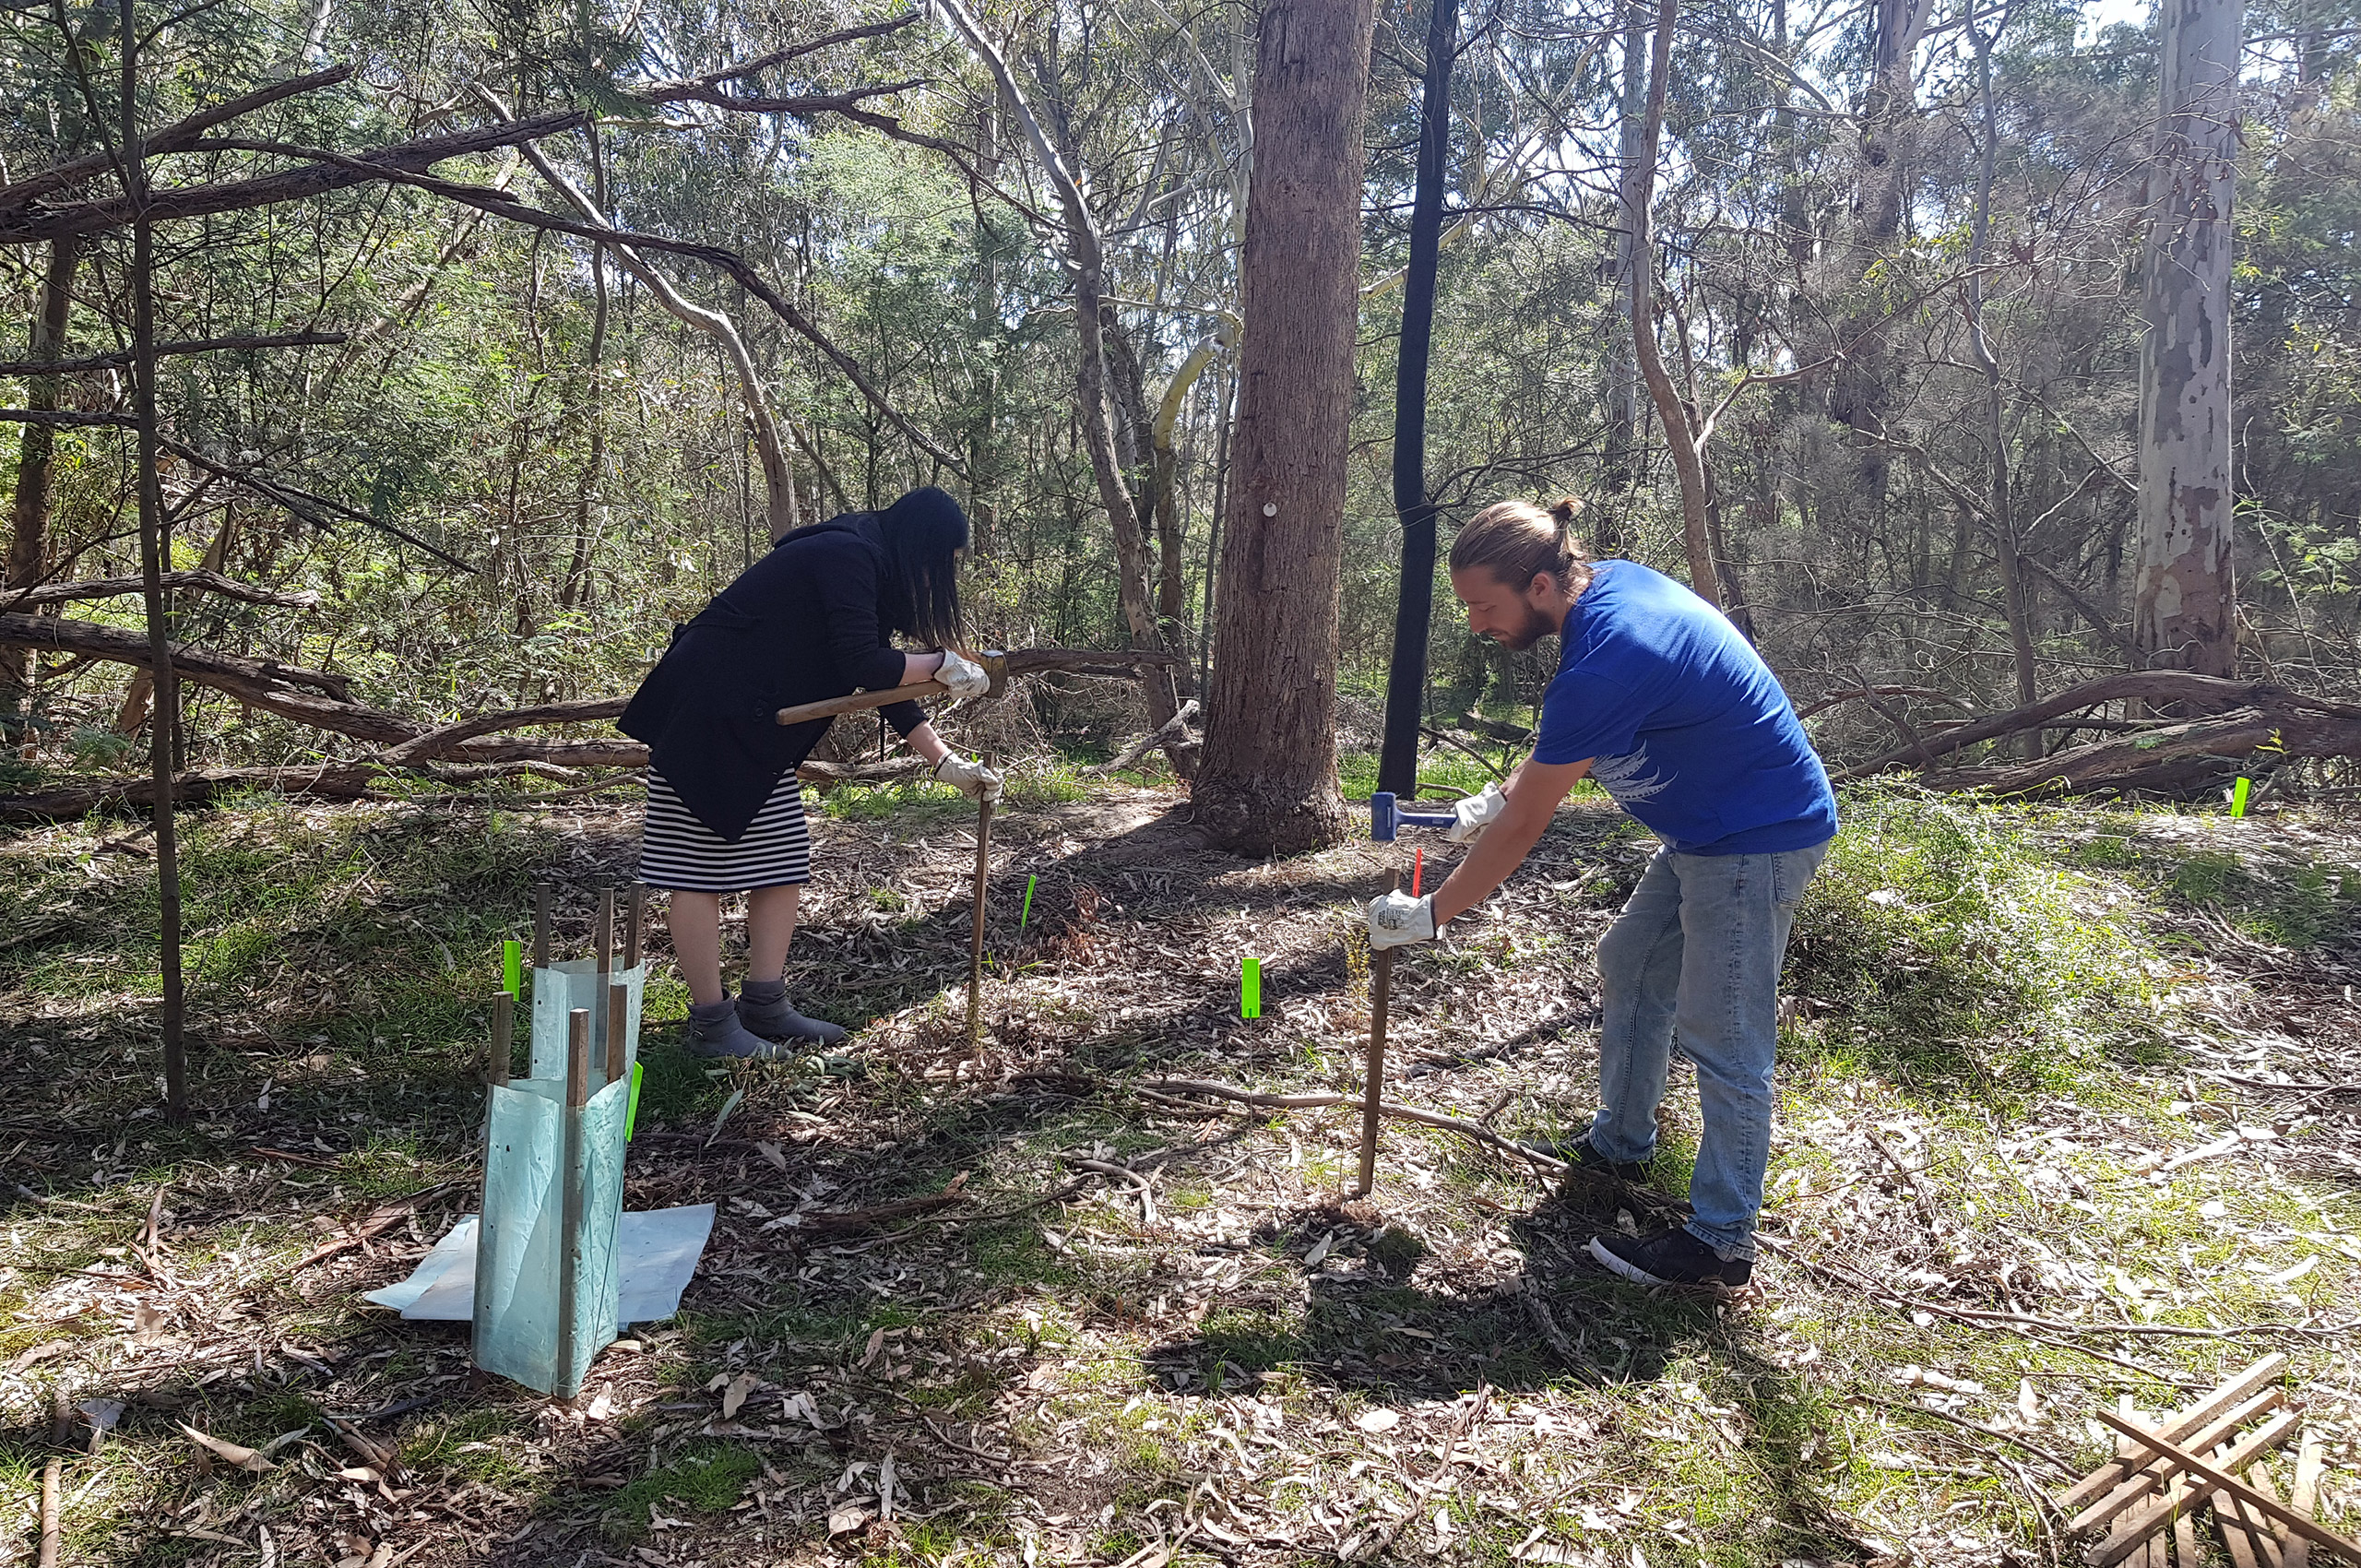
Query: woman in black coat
[{"x": 725, "y": 810}]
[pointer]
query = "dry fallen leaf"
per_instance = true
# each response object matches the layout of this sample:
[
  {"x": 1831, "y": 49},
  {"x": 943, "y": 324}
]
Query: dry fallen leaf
[
  {"x": 851, "y": 1517},
  {"x": 735, "y": 1395},
  {"x": 1377, "y": 1420},
  {"x": 244, "y": 1458}
]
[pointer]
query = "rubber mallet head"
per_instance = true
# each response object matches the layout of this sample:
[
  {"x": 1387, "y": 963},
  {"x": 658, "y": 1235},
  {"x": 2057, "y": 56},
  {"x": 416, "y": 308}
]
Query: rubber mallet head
[{"x": 1386, "y": 819}]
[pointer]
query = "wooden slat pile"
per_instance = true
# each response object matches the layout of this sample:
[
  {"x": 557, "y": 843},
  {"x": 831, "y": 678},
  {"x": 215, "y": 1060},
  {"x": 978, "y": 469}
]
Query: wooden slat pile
[{"x": 2147, "y": 1497}]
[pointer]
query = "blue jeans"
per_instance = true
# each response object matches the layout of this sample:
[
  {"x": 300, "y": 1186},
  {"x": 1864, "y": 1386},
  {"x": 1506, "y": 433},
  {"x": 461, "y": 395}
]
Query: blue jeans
[{"x": 1695, "y": 957}]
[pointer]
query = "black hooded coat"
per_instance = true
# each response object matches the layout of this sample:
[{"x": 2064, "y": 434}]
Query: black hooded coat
[{"x": 807, "y": 622}]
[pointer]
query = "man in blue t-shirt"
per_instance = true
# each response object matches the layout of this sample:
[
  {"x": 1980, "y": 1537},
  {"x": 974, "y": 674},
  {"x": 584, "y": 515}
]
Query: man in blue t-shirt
[{"x": 1659, "y": 699}]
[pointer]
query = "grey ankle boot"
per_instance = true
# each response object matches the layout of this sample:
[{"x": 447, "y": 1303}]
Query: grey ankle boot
[
  {"x": 770, "y": 1016},
  {"x": 716, "y": 1031}
]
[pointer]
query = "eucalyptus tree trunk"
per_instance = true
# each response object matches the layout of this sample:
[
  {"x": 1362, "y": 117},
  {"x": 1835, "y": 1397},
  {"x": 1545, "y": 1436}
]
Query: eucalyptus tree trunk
[
  {"x": 1863, "y": 391},
  {"x": 1672, "y": 413},
  {"x": 2185, "y": 601},
  {"x": 155, "y": 548},
  {"x": 1268, "y": 785},
  {"x": 1620, "y": 468},
  {"x": 1085, "y": 258},
  {"x": 29, "y": 535},
  {"x": 1405, "y": 680},
  {"x": 1999, "y": 504}
]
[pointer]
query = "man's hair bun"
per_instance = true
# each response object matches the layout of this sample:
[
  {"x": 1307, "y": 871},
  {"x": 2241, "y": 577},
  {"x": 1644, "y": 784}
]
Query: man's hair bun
[{"x": 1565, "y": 509}]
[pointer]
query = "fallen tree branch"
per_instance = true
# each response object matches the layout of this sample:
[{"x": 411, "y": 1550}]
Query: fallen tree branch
[
  {"x": 1176, "y": 725},
  {"x": 111, "y": 588},
  {"x": 2202, "y": 692},
  {"x": 1541, "y": 1164},
  {"x": 446, "y": 739}
]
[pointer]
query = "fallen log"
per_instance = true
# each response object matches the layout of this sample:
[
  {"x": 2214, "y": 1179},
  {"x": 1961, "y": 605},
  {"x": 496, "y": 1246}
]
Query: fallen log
[
  {"x": 2242, "y": 728},
  {"x": 1175, "y": 727},
  {"x": 2201, "y": 693}
]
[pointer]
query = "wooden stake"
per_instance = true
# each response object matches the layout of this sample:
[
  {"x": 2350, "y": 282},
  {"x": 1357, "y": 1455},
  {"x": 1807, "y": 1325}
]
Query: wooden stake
[
  {"x": 51, "y": 1475},
  {"x": 603, "y": 936},
  {"x": 2296, "y": 1552},
  {"x": 2137, "y": 1525},
  {"x": 976, "y": 935},
  {"x": 2207, "y": 1470},
  {"x": 635, "y": 928},
  {"x": 618, "y": 1023},
  {"x": 2143, "y": 1484},
  {"x": 542, "y": 926},
  {"x": 1381, "y": 994},
  {"x": 569, "y": 1252},
  {"x": 503, "y": 1032},
  {"x": 2270, "y": 1544},
  {"x": 2107, "y": 1478}
]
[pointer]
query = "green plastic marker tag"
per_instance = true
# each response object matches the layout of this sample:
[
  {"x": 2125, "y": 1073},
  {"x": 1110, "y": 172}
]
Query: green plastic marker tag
[
  {"x": 631, "y": 1111},
  {"x": 1027, "y": 913},
  {"x": 512, "y": 967},
  {"x": 2238, "y": 797},
  {"x": 1250, "y": 988}
]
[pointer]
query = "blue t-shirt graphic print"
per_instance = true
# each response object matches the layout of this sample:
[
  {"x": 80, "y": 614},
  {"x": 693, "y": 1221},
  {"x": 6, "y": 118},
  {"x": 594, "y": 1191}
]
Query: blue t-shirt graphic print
[{"x": 1689, "y": 729}]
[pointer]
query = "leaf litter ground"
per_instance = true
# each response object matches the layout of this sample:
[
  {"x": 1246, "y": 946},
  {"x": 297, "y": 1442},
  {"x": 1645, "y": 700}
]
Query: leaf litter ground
[{"x": 2067, "y": 1110}]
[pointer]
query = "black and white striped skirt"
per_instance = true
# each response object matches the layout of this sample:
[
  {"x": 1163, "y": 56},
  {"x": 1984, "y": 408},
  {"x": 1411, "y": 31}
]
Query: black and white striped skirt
[{"x": 681, "y": 854}]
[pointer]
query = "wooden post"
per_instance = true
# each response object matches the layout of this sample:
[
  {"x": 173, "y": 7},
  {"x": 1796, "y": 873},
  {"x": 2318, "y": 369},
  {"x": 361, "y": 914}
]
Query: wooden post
[
  {"x": 1381, "y": 988},
  {"x": 636, "y": 928},
  {"x": 618, "y": 1023},
  {"x": 569, "y": 1254},
  {"x": 602, "y": 939},
  {"x": 542, "y": 926},
  {"x": 52, "y": 1474},
  {"x": 504, "y": 1030},
  {"x": 976, "y": 938}
]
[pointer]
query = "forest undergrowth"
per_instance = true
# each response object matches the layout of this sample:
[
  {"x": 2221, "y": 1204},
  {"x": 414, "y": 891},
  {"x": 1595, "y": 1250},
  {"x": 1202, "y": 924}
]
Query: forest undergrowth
[{"x": 2069, "y": 1105}]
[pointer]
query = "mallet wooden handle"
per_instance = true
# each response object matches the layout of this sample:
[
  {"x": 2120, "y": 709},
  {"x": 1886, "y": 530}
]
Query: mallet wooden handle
[{"x": 860, "y": 700}]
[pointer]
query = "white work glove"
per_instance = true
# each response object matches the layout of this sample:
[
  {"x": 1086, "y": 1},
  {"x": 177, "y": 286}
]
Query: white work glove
[
  {"x": 1474, "y": 814},
  {"x": 972, "y": 779},
  {"x": 963, "y": 676},
  {"x": 1398, "y": 919}
]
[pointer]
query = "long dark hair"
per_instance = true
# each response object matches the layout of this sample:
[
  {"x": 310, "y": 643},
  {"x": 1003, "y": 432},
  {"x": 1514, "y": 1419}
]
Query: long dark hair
[{"x": 923, "y": 533}]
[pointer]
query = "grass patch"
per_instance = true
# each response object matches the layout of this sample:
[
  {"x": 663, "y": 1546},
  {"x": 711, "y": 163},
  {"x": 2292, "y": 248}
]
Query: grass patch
[{"x": 704, "y": 1477}]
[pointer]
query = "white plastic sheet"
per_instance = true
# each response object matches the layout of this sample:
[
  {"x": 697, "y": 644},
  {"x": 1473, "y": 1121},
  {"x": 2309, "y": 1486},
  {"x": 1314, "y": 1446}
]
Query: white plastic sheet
[{"x": 658, "y": 1251}]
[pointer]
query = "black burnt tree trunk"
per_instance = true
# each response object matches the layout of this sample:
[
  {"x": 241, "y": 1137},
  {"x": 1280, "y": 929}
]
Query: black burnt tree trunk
[{"x": 1406, "y": 683}]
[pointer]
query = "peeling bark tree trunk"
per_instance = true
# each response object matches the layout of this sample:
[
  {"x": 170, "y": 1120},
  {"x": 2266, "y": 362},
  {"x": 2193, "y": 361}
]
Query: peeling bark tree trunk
[
  {"x": 1094, "y": 409},
  {"x": 29, "y": 537},
  {"x": 1619, "y": 468},
  {"x": 1639, "y": 195},
  {"x": 1269, "y": 781},
  {"x": 1863, "y": 390},
  {"x": 2184, "y": 615}
]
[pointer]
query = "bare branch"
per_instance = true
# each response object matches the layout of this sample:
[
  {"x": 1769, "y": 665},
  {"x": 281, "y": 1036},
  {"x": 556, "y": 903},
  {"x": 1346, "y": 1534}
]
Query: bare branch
[
  {"x": 197, "y": 346},
  {"x": 113, "y": 588},
  {"x": 664, "y": 92},
  {"x": 324, "y": 172},
  {"x": 171, "y": 138}
]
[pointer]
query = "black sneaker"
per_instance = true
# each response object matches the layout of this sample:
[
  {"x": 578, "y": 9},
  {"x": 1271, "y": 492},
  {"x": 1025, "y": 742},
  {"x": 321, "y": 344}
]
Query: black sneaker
[
  {"x": 1586, "y": 1169},
  {"x": 1671, "y": 1256}
]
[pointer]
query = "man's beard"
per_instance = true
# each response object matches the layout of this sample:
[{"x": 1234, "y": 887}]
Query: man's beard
[{"x": 1537, "y": 626}]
